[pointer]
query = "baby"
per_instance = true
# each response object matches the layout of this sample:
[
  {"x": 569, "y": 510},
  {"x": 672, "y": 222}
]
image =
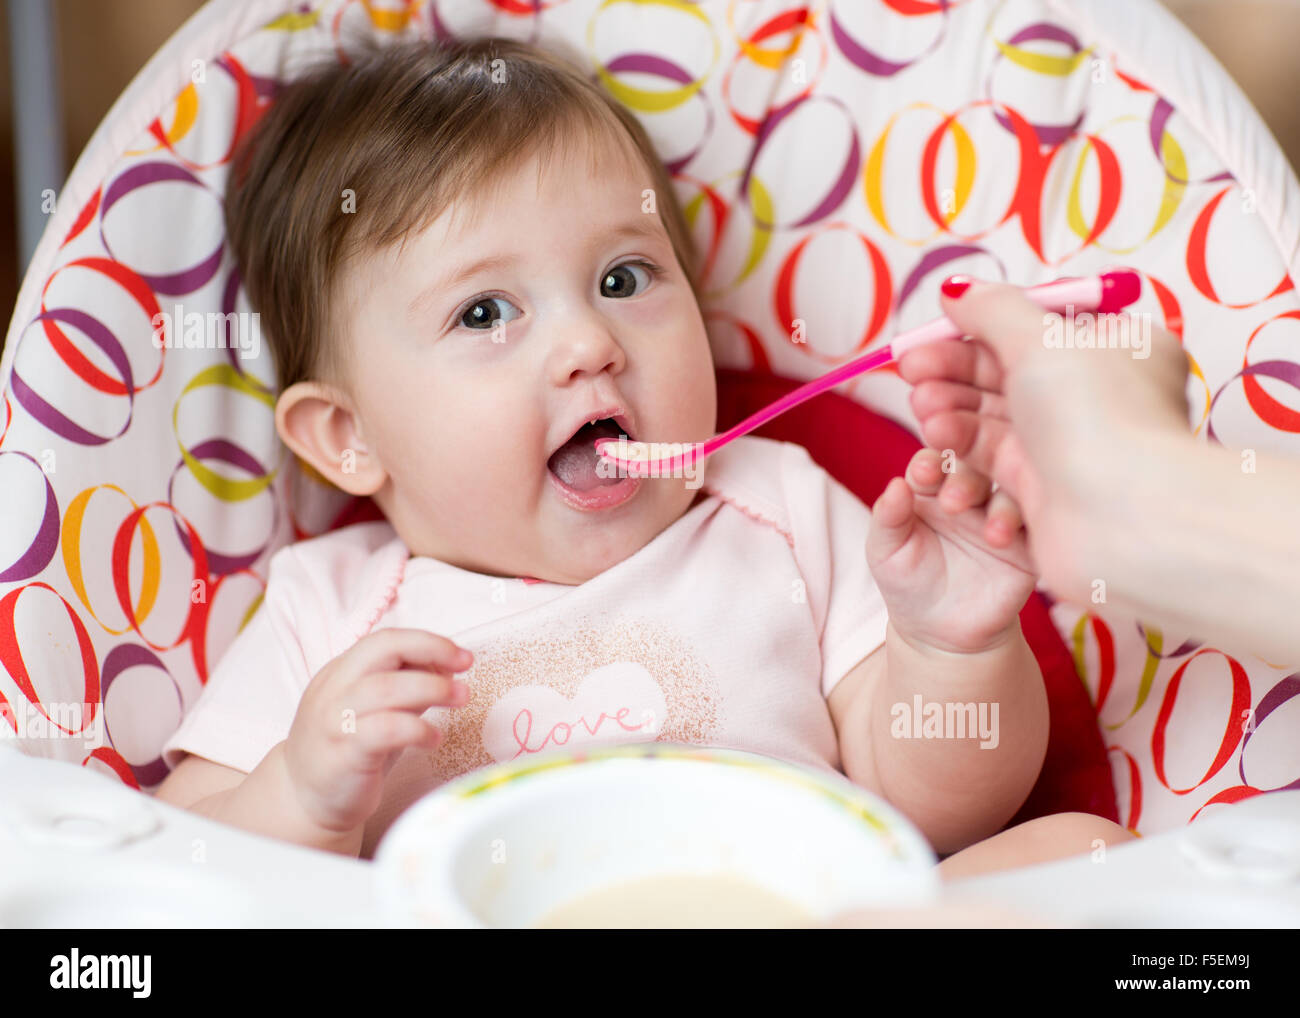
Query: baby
[{"x": 462, "y": 258}]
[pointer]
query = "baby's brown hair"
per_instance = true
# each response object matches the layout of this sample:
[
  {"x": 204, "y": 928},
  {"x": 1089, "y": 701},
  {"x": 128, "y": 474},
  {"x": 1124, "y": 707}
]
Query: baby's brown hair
[{"x": 410, "y": 129}]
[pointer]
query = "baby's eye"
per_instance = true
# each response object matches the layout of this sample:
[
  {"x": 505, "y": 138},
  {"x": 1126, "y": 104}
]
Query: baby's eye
[
  {"x": 617, "y": 284},
  {"x": 479, "y": 314}
]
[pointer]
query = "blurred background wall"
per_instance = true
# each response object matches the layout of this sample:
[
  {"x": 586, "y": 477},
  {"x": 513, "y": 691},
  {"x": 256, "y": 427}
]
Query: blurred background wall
[
  {"x": 100, "y": 49},
  {"x": 101, "y": 44}
]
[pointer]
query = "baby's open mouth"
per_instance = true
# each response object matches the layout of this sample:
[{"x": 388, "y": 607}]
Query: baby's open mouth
[{"x": 575, "y": 462}]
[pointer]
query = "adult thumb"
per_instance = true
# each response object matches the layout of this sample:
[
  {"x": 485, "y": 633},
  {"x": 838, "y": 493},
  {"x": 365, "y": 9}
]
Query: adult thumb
[{"x": 999, "y": 314}]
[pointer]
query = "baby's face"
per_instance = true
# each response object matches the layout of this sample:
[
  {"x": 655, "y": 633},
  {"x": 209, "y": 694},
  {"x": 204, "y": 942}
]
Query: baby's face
[{"x": 468, "y": 379}]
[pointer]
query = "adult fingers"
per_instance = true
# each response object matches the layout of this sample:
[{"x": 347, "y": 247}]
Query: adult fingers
[
  {"x": 1000, "y": 316},
  {"x": 937, "y": 396},
  {"x": 971, "y": 362}
]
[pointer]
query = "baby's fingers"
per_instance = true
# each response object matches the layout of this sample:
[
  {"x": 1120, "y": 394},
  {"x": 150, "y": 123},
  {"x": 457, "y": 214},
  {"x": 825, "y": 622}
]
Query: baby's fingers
[
  {"x": 964, "y": 487},
  {"x": 409, "y": 689},
  {"x": 933, "y": 472},
  {"x": 390, "y": 649},
  {"x": 1003, "y": 519},
  {"x": 971, "y": 436},
  {"x": 379, "y": 736},
  {"x": 925, "y": 471},
  {"x": 892, "y": 521}
]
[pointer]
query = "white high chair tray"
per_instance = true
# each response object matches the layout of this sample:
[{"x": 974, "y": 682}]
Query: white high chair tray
[{"x": 85, "y": 852}]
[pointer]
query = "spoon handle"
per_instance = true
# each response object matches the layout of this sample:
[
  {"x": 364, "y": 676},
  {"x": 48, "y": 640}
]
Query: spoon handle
[{"x": 1108, "y": 292}]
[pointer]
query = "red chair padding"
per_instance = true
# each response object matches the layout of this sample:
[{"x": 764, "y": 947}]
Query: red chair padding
[{"x": 863, "y": 450}]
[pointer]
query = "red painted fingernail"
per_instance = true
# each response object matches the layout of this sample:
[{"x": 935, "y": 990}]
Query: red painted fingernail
[{"x": 955, "y": 286}]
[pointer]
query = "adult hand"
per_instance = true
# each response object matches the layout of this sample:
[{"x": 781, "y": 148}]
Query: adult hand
[{"x": 1060, "y": 431}]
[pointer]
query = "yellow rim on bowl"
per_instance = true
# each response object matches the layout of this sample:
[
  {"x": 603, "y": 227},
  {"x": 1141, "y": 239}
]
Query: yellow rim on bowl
[{"x": 850, "y": 800}]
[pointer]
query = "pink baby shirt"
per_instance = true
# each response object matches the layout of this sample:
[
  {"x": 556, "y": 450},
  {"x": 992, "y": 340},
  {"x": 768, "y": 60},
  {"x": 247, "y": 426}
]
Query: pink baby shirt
[{"x": 729, "y": 628}]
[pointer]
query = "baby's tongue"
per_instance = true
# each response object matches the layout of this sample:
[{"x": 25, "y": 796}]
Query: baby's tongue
[{"x": 574, "y": 463}]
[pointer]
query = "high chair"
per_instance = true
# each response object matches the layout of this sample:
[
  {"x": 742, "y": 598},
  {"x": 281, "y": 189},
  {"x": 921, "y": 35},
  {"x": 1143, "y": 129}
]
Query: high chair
[{"x": 836, "y": 162}]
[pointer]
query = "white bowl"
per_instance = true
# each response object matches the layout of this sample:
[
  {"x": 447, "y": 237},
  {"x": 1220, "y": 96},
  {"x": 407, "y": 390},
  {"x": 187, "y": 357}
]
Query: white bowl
[{"x": 505, "y": 845}]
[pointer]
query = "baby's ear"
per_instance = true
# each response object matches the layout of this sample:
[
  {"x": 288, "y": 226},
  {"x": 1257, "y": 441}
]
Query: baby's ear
[{"x": 323, "y": 430}]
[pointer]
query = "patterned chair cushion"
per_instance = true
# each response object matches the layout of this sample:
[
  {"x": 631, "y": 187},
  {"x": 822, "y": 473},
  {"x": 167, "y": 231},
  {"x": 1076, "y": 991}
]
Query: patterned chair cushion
[{"x": 835, "y": 161}]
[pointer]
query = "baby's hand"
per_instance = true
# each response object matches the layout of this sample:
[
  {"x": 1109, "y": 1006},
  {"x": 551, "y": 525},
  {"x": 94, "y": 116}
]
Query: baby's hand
[
  {"x": 943, "y": 583},
  {"x": 360, "y": 712}
]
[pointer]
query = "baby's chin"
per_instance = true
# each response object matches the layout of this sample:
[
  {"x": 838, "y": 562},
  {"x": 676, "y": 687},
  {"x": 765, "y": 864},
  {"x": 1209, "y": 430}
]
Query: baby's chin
[
  {"x": 590, "y": 551},
  {"x": 589, "y": 544}
]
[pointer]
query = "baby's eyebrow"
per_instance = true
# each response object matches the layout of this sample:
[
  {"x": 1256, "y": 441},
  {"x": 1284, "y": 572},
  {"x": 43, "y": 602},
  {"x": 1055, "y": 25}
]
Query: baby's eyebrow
[
  {"x": 647, "y": 227},
  {"x": 491, "y": 262}
]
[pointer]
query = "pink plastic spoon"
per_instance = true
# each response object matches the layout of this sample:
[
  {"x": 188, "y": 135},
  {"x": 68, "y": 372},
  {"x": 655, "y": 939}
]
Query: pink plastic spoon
[{"x": 1102, "y": 294}]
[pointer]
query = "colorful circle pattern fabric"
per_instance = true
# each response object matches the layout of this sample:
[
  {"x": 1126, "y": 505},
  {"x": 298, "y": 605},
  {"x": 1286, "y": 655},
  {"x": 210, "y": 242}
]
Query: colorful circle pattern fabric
[{"x": 836, "y": 161}]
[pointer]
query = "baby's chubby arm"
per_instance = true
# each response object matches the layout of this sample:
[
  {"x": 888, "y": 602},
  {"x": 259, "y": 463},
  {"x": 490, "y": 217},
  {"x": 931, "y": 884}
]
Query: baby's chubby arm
[
  {"x": 953, "y": 638},
  {"x": 261, "y": 802},
  {"x": 954, "y": 790}
]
